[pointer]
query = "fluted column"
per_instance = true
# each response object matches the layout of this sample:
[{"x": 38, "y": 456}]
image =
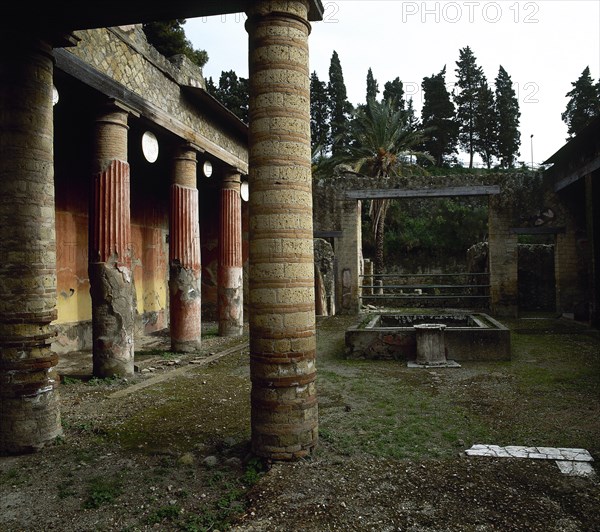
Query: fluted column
[
  {"x": 111, "y": 283},
  {"x": 281, "y": 284},
  {"x": 184, "y": 254},
  {"x": 230, "y": 272},
  {"x": 29, "y": 404}
]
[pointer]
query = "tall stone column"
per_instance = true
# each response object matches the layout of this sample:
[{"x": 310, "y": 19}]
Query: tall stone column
[
  {"x": 503, "y": 260},
  {"x": 111, "y": 282},
  {"x": 281, "y": 278},
  {"x": 592, "y": 202},
  {"x": 29, "y": 403},
  {"x": 184, "y": 254},
  {"x": 230, "y": 272}
]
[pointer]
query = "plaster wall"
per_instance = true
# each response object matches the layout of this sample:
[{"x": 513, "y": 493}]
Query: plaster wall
[{"x": 149, "y": 247}]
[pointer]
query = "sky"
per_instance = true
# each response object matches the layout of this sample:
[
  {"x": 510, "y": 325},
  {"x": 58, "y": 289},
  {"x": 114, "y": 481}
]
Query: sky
[{"x": 544, "y": 46}]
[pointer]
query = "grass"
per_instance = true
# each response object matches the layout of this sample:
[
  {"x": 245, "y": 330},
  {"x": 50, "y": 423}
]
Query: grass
[
  {"x": 102, "y": 491},
  {"x": 230, "y": 491},
  {"x": 178, "y": 414},
  {"x": 546, "y": 395}
]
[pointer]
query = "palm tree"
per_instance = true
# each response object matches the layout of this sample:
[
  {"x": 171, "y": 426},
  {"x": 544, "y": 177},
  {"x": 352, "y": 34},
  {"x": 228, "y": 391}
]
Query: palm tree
[{"x": 384, "y": 145}]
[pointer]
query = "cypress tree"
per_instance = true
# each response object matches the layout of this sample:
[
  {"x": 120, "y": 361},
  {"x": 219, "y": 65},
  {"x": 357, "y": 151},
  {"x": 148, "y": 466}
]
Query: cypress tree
[
  {"x": 486, "y": 124},
  {"x": 437, "y": 116},
  {"x": 372, "y": 87},
  {"x": 339, "y": 107},
  {"x": 507, "y": 107},
  {"x": 584, "y": 103},
  {"x": 319, "y": 116},
  {"x": 469, "y": 78},
  {"x": 393, "y": 91}
]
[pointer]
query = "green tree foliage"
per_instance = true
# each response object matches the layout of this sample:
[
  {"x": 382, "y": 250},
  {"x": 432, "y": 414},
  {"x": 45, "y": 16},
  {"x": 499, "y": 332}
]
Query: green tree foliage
[
  {"x": 372, "y": 87},
  {"x": 319, "y": 116},
  {"x": 383, "y": 147},
  {"x": 469, "y": 78},
  {"x": 486, "y": 124},
  {"x": 435, "y": 227},
  {"x": 232, "y": 92},
  {"x": 393, "y": 91},
  {"x": 507, "y": 108},
  {"x": 168, "y": 37},
  {"x": 584, "y": 103},
  {"x": 410, "y": 117},
  {"x": 437, "y": 115},
  {"x": 340, "y": 108}
]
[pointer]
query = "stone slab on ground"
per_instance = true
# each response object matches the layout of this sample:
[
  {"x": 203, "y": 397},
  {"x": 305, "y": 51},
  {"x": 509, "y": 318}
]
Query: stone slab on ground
[
  {"x": 542, "y": 453},
  {"x": 570, "y": 461},
  {"x": 577, "y": 469},
  {"x": 447, "y": 364}
]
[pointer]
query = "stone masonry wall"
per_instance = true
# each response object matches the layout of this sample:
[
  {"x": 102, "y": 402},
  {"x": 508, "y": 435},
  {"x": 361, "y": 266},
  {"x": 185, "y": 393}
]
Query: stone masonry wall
[
  {"x": 520, "y": 203},
  {"x": 123, "y": 54}
]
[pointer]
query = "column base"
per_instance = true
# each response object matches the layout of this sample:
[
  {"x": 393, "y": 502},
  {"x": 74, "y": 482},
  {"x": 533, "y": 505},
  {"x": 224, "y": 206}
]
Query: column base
[
  {"x": 113, "y": 324},
  {"x": 182, "y": 346}
]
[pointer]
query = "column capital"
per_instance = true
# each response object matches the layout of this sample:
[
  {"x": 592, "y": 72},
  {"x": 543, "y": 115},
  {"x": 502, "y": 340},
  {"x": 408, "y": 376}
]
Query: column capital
[
  {"x": 232, "y": 178},
  {"x": 291, "y": 9},
  {"x": 186, "y": 151},
  {"x": 185, "y": 162},
  {"x": 115, "y": 105}
]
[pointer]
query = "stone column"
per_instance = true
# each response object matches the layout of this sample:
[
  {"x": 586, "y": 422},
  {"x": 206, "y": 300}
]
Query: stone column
[
  {"x": 349, "y": 257},
  {"x": 503, "y": 260},
  {"x": 230, "y": 271},
  {"x": 282, "y": 303},
  {"x": 368, "y": 278},
  {"x": 592, "y": 205},
  {"x": 184, "y": 254},
  {"x": 29, "y": 404},
  {"x": 111, "y": 283}
]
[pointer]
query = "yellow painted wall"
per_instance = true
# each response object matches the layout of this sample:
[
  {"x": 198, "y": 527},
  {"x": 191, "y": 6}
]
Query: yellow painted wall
[{"x": 150, "y": 260}]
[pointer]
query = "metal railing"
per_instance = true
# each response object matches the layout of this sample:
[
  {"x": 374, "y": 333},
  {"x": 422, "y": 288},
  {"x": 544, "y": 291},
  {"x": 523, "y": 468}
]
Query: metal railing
[{"x": 427, "y": 289}]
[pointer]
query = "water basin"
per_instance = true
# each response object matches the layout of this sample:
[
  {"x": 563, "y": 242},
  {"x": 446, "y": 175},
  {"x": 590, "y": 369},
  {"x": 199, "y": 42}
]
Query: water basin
[{"x": 468, "y": 336}]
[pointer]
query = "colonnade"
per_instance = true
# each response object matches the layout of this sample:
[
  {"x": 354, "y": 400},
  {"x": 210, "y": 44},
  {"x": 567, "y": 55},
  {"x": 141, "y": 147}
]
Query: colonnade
[{"x": 282, "y": 322}]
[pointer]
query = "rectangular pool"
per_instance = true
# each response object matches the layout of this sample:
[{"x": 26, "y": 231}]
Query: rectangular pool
[{"x": 391, "y": 336}]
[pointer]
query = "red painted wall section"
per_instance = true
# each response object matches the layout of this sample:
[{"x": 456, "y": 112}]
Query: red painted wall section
[
  {"x": 149, "y": 251},
  {"x": 209, "y": 197},
  {"x": 150, "y": 256},
  {"x": 209, "y": 200},
  {"x": 73, "y": 284}
]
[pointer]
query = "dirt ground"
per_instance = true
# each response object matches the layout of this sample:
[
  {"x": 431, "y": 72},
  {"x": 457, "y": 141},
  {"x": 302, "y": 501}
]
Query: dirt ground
[{"x": 168, "y": 449}]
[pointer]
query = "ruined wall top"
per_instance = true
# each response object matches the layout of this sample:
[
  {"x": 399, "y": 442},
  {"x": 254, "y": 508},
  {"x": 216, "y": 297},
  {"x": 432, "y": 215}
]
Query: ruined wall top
[
  {"x": 522, "y": 193},
  {"x": 124, "y": 55}
]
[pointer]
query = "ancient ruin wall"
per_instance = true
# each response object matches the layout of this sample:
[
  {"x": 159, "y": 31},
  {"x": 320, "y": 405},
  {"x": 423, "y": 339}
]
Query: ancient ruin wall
[
  {"x": 124, "y": 55},
  {"x": 523, "y": 202}
]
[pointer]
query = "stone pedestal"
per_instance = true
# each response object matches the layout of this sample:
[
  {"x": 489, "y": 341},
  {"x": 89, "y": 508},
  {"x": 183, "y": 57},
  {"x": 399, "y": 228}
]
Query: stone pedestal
[
  {"x": 111, "y": 282},
  {"x": 184, "y": 255},
  {"x": 431, "y": 344},
  {"x": 282, "y": 301},
  {"x": 230, "y": 270}
]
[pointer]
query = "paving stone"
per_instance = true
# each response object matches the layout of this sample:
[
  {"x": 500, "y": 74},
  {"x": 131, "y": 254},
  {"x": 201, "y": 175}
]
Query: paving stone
[
  {"x": 536, "y": 453},
  {"x": 580, "y": 469}
]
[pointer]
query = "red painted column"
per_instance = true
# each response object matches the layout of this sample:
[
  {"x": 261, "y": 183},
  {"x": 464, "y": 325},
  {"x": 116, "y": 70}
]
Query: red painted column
[
  {"x": 184, "y": 254},
  {"x": 230, "y": 272},
  {"x": 111, "y": 283}
]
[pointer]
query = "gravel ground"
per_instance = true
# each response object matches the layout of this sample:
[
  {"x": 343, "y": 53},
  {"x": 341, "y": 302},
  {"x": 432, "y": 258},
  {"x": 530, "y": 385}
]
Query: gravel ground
[{"x": 168, "y": 449}]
